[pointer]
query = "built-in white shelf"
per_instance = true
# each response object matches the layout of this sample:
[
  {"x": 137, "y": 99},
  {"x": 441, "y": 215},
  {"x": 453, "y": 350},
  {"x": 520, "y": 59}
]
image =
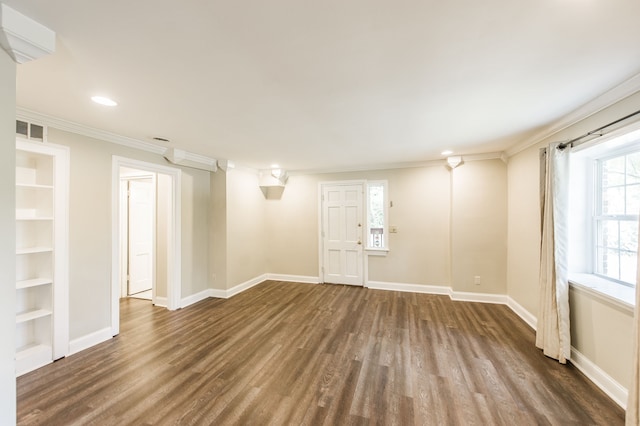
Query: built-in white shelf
[
  {"x": 30, "y": 350},
  {"x": 35, "y": 282},
  {"x": 32, "y": 250},
  {"x": 33, "y": 349},
  {"x": 41, "y": 284},
  {"x": 31, "y": 315},
  {"x": 32, "y": 186},
  {"x": 32, "y": 356}
]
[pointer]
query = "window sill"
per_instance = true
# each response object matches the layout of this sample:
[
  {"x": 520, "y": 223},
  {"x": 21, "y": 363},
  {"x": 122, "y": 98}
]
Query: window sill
[
  {"x": 376, "y": 252},
  {"x": 616, "y": 294}
]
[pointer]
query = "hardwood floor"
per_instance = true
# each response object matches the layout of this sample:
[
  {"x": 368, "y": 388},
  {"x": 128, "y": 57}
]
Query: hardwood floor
[{"x": 285, "y": 353}]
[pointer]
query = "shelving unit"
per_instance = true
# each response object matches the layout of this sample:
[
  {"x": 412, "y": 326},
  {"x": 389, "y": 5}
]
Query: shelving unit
[{"x": 42, "y": 326}]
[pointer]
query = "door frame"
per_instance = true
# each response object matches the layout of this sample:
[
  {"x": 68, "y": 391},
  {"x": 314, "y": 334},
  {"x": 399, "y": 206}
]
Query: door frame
[
  {"x": 321, "y": 186},
  {"x": 174, "y": 237}
]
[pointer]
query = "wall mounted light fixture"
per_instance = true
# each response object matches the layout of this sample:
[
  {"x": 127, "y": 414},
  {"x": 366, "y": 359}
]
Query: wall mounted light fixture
[{"x": 454, "y": 162}]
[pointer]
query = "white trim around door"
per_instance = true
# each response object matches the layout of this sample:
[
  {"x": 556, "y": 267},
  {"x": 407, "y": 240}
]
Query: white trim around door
[{"x": 174, "y": 235}]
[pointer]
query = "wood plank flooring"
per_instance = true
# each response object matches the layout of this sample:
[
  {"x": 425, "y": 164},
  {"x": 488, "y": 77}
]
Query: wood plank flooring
[{"x": 291, "y": 354}]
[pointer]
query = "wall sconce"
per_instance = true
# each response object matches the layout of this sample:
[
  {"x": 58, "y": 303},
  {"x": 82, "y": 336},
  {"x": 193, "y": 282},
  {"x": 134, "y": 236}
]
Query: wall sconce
[
  {"x": 272, "y": 182},
  {"x": 454, "y": 162}
]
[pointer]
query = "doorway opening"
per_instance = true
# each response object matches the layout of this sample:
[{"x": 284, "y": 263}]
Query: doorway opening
[{"x": 146, "y": 235}]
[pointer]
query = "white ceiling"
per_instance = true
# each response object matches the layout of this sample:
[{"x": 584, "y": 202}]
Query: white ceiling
[{"x": 331, "y": 83}]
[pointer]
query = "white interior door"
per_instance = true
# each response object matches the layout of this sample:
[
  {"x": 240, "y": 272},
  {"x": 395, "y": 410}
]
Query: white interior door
[
  {"x": 342, "y": 224},
  {"x": 141, "y": 239}
]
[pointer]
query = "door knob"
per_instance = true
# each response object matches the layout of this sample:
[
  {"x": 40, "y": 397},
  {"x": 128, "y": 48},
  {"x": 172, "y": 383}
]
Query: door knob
[{"x": 359, "y": 242}]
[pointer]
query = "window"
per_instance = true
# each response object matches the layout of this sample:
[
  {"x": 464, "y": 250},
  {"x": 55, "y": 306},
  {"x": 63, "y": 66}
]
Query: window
[
  {"x": 604, "y": 206},
  {"x": 616, "y": 216},
  {"x": 377, "y": 213}
]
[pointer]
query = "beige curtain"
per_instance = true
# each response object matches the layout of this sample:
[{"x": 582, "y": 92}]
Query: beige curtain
[
  {"x": 553, "y": 328},
  {"x": 633, "y": 403}
]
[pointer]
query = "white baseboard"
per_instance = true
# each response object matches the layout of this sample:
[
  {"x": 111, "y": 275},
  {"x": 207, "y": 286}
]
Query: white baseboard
[
  {"x": 160, "y": 301},
  {"x": 411, "y": 288},
  {"x": 226, "y": 294},
  {"x": 294, "y": 278},
  {"x": 615, "y": 390},
  {"x": 218, "y": 293},
  {"x": 525, "y": 315},
  {"x": 91, "y": 339},
  {"x": 439, "y": 289},
  {"x": 464, "y": 296},
  {"x": 195, "y": 298},
  {"x": 246, "y": 285}
]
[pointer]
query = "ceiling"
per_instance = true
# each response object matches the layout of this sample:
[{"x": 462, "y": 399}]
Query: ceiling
[{"x": 328, "y": 84}]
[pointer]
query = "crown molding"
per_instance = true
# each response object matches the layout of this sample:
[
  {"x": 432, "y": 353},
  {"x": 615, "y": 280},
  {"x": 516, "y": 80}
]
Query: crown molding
[
  {"x": 610, "y": 97},
  {"x": 499, "y": 155},
  {"x": 405, "y": 165},
  {"x": 80, "y": 129},
  {"x": 23, "y": 38}
]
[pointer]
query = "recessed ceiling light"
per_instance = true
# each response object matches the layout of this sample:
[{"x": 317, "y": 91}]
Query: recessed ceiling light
[
  {"x": 103, "y": 101},
  {"x": 275, "y": 166},
  {"x": 447, "y": 152}
]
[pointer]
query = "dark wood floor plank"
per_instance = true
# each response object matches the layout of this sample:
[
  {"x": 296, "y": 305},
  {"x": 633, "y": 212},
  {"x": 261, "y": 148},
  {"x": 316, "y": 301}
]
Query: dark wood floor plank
[{"x": 288, "y": 354}]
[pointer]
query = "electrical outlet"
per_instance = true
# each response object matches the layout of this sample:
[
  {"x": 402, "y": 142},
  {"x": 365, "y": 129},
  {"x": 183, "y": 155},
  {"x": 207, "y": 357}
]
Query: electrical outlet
[{"x": 476, "y": 280}]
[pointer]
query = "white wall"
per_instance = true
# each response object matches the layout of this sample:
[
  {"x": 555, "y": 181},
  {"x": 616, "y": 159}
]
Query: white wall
[
  {"x": 420, "y": 250},
  {"x": 523, "y": 236},
  {"x": 7, "y": 242},
  {"x": 195, "y": 231},
  {"x": 246, "y": 228},
  {"x": 218, "y": 231},
  {"x": 163, "y": 201},
  {"x": 238, "y": 232},
  {"x": 292, "y": 236},
  {"x": 600, "y": 331},
  {"x": 479, "y": 227}
]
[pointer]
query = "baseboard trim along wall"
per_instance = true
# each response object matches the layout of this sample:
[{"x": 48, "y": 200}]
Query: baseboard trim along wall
[
  {"x": 195, "y": 298},
  {"x": 246, "y": 285},
  {"x": 294, "y": 278},
  {"x": 523, "y": 313},
  {"x": 161, "y": 301},
  {"x": 411, "y": 288},
  {"x": 237, "y": 289},
  {"x": 91, "y": 339},
  {"x": 611, "y": 387},
  {"x": 460, "y": 296}
]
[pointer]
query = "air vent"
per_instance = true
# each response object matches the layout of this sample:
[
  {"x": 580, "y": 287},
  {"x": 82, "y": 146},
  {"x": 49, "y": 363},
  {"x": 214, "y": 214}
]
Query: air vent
[{"x": 31, "y": 131}]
